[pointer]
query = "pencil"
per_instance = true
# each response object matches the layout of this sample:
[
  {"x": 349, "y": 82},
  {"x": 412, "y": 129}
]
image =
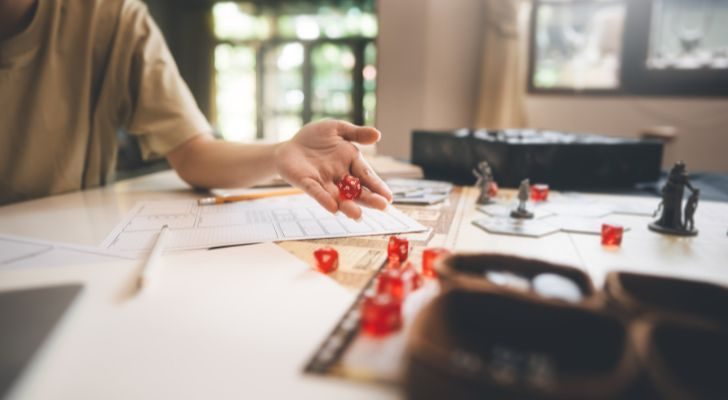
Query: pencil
[
  {"x": 251, "y": 196},
  {"x": 149, "y": 265}
]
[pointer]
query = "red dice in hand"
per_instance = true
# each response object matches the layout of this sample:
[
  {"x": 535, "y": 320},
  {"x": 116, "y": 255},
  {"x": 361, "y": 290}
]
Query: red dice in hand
[
  {"x": 612, "y": 235},
  {"x": 539, "y": 192},
  {"x": 349, "y": 187},
  {"x": 380, "y": 315},
  {"x": 397, "y": 249},
  {"x": 327, "y": 259},
  {"x": 429, "y": 256}
]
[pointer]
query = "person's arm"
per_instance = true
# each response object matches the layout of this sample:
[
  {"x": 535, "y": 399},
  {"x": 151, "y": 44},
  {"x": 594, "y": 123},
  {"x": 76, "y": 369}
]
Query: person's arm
[
  {"x": 314, "y": 160},
  {"x": 205, "y": 162}
]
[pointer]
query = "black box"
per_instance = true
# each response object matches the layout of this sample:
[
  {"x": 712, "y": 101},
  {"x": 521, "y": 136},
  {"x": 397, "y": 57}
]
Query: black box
[{"x": 565, "y": 161}]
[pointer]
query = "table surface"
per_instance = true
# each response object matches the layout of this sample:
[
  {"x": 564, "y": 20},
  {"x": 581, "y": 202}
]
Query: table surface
[{"x": 216, "y": 329}]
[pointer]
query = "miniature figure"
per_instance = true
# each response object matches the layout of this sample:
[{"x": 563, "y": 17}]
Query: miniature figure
[
  {"x": 523, "y": 192},
  {"x": 690, "y": 208},
  {"x": 484, "y": 182},
  {"x": 671, "y": 218}
]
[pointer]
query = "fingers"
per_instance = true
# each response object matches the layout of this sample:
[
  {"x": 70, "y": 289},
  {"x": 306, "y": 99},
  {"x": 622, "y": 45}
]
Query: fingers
[
  {"x": 314, "y": 189},
  {"x": 361, "y": 169},
  {"x": 373, "y": 200},
  {"x": 350, "y": 209},
  {"x": 358, "y": 134}
]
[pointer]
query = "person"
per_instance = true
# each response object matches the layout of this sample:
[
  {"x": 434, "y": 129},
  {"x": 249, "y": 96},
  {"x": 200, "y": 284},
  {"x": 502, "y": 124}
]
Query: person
[{"x": 72, "y": 73}]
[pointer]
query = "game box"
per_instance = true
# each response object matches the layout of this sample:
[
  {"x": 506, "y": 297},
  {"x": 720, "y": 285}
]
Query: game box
[{"x": 568, "y": 161}]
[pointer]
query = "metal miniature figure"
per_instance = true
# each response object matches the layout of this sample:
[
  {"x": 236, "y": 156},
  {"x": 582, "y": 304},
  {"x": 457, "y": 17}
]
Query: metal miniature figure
[
  {"x": 672, "y": 221},
  {"x": 523, "y": 192},
  {"x": 690, "y": 208},
  {"x": 484, "y": 182}
]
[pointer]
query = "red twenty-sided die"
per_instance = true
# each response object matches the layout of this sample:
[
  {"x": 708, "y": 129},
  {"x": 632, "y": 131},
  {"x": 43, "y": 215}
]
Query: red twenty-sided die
[
  {"x": 539, "y": 192},
  {"x": 492, "y": 189},
  {"x": 429, "y": 256},
  {"x": 327, "y": 259},
  {"x": 349, "y": 187},
  {"x": 399, "y": 282},
  {"x": 398, "y": 248},
  {"x": 380, "y": 315},
  {"x": 612, "y": 235}
]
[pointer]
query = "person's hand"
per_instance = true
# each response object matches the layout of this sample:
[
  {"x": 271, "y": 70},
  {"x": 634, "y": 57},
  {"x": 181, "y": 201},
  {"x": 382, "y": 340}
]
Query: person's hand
[{"x": 321, "y": 154}]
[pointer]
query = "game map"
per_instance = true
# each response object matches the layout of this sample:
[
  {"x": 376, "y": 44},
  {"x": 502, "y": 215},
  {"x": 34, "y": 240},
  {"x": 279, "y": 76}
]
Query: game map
[{"x": 347, "y": 353}]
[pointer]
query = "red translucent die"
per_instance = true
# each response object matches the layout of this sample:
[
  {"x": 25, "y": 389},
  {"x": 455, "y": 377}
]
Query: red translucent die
[
  {"x": 327, "y": 259},
  {"x": 492, "y": 189},
  {"x": 539, "y": 192},
  {"x": 380, "y": 315},
  {"x": 429, "y": 256},
  {"x": 398, "y": 247},
  {"x": 349, "y": 187},
  {"x": 410, "y": 275},
  {"x": 399, "y": 282},
  {"x": 393, "y": 262},
  {"x": 612, "y": 235}
]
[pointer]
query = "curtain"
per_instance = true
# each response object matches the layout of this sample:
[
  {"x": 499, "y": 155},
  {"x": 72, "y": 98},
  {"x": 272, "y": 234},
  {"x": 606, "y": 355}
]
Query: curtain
[{"x": 501, "y": 95}]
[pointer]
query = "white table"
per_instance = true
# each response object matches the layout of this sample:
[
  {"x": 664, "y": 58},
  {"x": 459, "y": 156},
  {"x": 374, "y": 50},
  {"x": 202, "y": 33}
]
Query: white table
[
  {"x": 216, "y": 326},
  {"x": 213, "y": 325}
]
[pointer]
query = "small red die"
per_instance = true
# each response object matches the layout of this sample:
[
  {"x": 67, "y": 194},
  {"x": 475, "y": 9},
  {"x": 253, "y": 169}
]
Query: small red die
[
  {"x": 399, "y": 282},
  {"x": 380, "y": 315},
  {"x": 349, "y": 187},
  {"x": 327, "y": 259},
  {"x": 429, "y": 256},
  {"x": 410, "y": 275},
  {"x": 492, "y": 189},
  {"x": 398, "y": 247},
  {"x": 539, "y": 192},
  {"x": 612, "y": 235}
]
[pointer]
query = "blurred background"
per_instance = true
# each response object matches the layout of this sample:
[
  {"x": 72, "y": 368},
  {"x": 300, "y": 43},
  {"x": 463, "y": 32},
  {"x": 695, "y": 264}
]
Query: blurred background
[{"x": 631, "y": 68}]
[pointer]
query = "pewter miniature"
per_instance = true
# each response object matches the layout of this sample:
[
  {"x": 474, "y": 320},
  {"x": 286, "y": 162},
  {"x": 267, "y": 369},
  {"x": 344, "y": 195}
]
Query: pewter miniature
[
  {"x": 485, "y": 180},
  {"x": 671, "y": 218},
  {"x": 523, "y": 192},
  {"x": 690, "y": 208}
]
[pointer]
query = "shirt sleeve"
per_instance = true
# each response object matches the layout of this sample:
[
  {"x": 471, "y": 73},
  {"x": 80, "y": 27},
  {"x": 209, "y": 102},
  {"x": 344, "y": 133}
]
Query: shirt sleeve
[{"x": 157, "y": 106}]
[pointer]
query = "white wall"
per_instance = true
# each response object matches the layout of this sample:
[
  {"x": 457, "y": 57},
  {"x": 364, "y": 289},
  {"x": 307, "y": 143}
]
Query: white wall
[
  {"x": 429, "y": 52},
  {"x": 428, "y": 59},
  {"x": 702, "y": 123}
]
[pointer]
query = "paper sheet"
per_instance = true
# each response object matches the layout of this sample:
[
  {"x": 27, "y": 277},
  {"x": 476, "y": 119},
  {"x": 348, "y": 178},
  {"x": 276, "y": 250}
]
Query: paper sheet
[
  {"x": 18, "y": 252},
  {"x": 266, "y": 220}
]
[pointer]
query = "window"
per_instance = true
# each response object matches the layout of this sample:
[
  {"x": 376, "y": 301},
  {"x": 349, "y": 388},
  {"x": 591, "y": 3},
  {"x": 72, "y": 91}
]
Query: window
[
  {"x": 689, "y": 35},
  {"x": 642, "y": 47},
  {"x": 578, "y": 45},
  {"x": 278, "y": 67}
]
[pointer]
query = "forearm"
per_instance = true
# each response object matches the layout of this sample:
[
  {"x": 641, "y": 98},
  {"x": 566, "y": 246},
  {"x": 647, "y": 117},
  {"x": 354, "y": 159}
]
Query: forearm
[{"x": 206, "y": 163}]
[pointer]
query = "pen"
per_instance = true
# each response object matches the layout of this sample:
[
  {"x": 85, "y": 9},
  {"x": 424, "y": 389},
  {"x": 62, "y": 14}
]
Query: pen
[
  {"x": 148, "y": 268},
  {"x": 251, "y": 196}
]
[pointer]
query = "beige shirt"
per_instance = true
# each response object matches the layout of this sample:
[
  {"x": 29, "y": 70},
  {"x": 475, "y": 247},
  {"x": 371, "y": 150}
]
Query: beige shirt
[{"x": 80, "y": 71}]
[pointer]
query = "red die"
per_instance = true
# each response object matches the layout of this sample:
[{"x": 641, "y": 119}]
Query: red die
[
  {"x": 349, "y": 187},
  {"x": 492, "y": 189},
  {"x": 399, "y": 282},
  {"x": 612, "y": 235},
  {"x": 398, "y": 248},
  {"x": 327, "y": 259},
  {"x": 380, "y": 315},
  {"x": 539, "y": 192},
  {"x": 429, "y": 256},
  {"x": 410, "y": 275}
]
